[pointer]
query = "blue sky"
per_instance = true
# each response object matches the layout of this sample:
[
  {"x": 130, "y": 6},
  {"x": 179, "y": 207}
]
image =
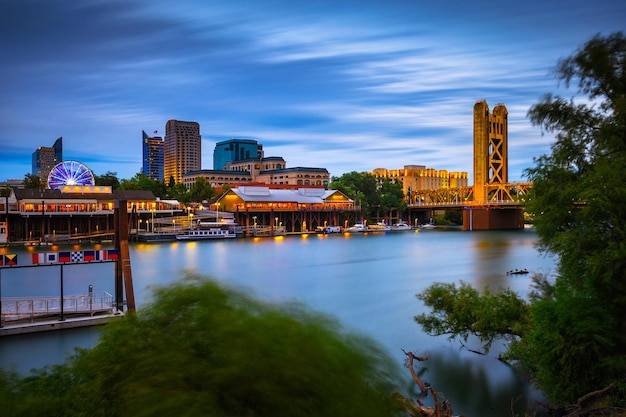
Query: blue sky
[{"x": 344, "y": 85}]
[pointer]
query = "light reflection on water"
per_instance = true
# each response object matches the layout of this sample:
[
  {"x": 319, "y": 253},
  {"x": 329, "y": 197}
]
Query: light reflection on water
[{"x": 368, "y": 282}]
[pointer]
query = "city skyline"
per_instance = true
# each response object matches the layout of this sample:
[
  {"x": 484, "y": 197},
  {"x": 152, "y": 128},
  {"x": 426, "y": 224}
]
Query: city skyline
[{"x": 348, "y": 86}]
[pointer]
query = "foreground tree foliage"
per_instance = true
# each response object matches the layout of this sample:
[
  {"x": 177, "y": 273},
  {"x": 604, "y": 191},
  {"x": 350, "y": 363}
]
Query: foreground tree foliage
[
  {"x": 570, "y": 335},
  {"x": 203, "y": 350}
]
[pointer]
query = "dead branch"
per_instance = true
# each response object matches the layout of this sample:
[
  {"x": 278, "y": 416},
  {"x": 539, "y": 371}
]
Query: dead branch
[{"x": 442, "y": 406}]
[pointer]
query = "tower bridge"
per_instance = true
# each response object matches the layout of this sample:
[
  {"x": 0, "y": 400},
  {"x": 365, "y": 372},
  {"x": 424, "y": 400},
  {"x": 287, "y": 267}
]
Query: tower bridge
[{"x": 492, "y": 202}]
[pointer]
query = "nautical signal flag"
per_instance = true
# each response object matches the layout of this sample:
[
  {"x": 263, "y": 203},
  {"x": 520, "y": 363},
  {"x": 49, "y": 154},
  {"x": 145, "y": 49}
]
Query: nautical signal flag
[
  {"x": 94, "y": 255},
  {"x": 65, "y": 256},
  {"x": 113, "y": 254},
  {"x": 45, "y": 258},
  {"x": 10, "y": 259}
]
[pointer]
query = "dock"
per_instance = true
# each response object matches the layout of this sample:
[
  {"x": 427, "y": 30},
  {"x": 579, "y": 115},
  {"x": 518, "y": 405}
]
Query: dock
[{"x": 22, "y": 315}]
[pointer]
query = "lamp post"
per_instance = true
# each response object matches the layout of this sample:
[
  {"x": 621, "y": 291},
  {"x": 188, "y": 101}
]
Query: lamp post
[
  {"x": 152, "y": 211},
  {"x": 276, "y": 221},
  {"x": 217, "y": 212},
  {"x": 254, "y": 218}
]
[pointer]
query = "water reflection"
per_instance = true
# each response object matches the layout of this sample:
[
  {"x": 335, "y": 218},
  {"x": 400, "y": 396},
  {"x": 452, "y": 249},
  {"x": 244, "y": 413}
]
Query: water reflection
[{"x": 368, "y": 282}]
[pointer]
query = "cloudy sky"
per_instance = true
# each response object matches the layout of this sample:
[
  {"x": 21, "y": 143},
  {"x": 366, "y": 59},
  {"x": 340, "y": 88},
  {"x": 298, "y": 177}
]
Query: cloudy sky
[{"x": 344, "y": 85}]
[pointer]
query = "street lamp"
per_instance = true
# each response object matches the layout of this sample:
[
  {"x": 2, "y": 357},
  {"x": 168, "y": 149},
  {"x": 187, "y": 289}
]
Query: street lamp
[
  {"x": 152, "y": 211},
  {"x": 254, "y": 218},
  {"x": 276, "y": 221},
  {"x": 217, "y": 212}
]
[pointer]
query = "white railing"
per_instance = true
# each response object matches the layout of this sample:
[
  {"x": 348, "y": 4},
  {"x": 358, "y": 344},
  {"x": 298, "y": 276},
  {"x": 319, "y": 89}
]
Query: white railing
[{"x": 31, "y": 308}]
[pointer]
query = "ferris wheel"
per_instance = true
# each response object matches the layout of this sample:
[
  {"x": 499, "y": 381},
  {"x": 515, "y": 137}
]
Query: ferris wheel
[{"x": 70, "y": 173}]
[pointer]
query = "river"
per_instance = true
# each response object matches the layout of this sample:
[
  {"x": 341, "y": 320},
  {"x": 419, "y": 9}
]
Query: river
[{"x": 368, "y": 282}]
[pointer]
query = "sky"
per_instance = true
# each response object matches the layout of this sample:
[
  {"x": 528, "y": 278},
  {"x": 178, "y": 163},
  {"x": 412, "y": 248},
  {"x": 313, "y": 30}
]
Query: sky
[{"x": 343, "y": 85}]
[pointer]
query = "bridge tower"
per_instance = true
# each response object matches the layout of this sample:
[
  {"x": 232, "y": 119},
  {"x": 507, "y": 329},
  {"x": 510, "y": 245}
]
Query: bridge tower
[{"x": 490, "y": 148}]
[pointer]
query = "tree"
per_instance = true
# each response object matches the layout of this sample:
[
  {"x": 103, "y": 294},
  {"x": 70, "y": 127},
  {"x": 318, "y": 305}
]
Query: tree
[
  {"x": 571, "y": 334},
  {"x": 108, "y": 178},
  {"x": 33, "y": 182},
  {"x": 201, "y": 190},
  {"x": 203, "y": 349},
  {"x": 364, "y": 190},
  {"x": 142, "y": 182}
]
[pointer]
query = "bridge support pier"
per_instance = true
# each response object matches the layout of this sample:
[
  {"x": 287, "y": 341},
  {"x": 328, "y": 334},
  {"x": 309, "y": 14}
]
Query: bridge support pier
[{"x": 489, "y": 218}]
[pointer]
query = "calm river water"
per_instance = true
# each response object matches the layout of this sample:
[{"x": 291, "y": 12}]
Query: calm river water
[{"x": 368, "y": 282}]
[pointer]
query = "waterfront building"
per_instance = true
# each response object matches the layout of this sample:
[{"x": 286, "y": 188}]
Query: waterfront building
[
  {"x": 182, "y": 149},
  {"x": 291, "y": 209},
  {"x": 45, "y": 158},
  {"x": 152, "y": 156},
  {"x": 238, "y": 168},
  {"x": 73, "y": 212},
  {"x": 419, "y": 178},
  {"x": 234, "y": 150}
]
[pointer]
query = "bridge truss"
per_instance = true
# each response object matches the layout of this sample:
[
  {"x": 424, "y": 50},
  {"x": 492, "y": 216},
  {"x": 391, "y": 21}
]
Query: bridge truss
[{"x": 502, "y": 193}]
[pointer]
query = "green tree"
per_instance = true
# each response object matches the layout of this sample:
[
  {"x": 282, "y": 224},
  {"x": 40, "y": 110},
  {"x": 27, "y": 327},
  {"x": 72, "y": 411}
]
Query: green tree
[
  {"x": 142, "y": 182},
  {"x": 360, "y": 187},
  {"x": 200, "y": 349},
  {"x": 571, "y": 334},
  {"x": 201, "y": 190},
  {"x": 108, "y": 178},
  {"x": 33, "y": 182},
  {"x": 179, "y": 192}
]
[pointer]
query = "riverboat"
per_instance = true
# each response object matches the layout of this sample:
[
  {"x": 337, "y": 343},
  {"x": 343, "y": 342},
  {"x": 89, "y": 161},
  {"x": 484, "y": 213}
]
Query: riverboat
[{"x": 205, "y": 234}]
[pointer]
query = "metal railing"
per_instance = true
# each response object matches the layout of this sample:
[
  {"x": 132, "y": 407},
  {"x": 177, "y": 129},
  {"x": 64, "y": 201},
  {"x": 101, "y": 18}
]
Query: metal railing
[{"x": 31, "y": 308}]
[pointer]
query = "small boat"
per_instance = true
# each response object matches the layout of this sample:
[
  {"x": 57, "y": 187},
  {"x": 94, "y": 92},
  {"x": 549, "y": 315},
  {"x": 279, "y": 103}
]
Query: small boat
[
  {"x": 378, "y": 227},
  {"x": 401, "y": 225},
  {"x": 518, "y": 272},
  {"x": 204, "y": 234},
  {"x": 427, "y": 226},
  {"x": 357, "y": 228}
]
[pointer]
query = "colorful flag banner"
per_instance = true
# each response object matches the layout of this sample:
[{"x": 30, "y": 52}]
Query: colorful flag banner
[
  {"x": 52, "y": 257},
  {"x": 77, "y": 256},
  {"x": 1, "y": 259},
  {"x": 10, "y": 259},
  {"x": 89, "y": 255},
  {"x": 64, "y": 256},
  {"x": 113, "y": 254}
]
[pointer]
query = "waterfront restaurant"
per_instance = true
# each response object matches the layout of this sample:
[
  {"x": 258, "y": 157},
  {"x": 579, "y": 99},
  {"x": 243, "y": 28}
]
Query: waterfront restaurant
[
  {"x": 74, "y": 212},
  {"x": 295, "y": 209}
]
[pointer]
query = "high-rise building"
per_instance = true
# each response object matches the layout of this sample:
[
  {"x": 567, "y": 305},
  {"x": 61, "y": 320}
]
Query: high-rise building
[
  {"x": 234, "y": 150},
  {"x": 152, "y": 156},
  {"x": 491, "y": 137},
  {"x": 182, "y": 149},
  {"x": 45, "y": 158}
]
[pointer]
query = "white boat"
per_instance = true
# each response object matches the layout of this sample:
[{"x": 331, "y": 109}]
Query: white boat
[
  {"x": 401, "y": 225},
  {"x": 427, "y": 226},
  {"x": 204, "y": 234},
  {"x": 357, "y": 228}
]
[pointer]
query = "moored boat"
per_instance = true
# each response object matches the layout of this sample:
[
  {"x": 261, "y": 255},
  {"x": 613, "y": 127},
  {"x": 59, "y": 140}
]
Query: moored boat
[
  {"x": 401, "y": 225},
  {"x": 205, "y": 234},
  {"x": 357, "y": 228}
]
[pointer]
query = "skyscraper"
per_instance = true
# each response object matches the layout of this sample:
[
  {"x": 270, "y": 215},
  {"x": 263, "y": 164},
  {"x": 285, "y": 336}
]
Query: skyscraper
[
  {"x": 45, "y": 158},
  {"x": 182, "y": 149},
  {"x": 152, "y": 156},
  {"x": 234, "y": 150}
]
